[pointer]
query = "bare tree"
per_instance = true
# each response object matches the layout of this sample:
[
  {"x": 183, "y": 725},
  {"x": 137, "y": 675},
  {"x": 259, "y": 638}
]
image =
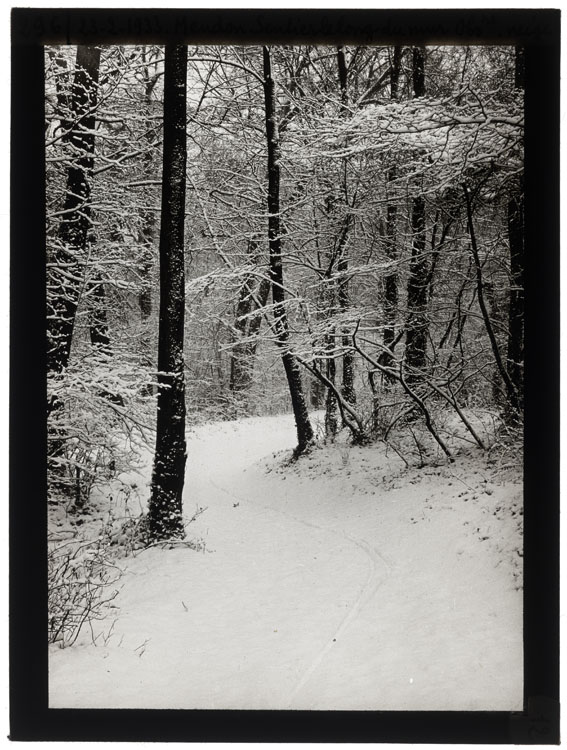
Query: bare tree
[{"x": 305, "y": 434}]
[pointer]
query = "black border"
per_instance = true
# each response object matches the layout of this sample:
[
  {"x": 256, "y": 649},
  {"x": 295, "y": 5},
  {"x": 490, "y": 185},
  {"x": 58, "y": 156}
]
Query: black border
[{"x": 539, "y": 32}]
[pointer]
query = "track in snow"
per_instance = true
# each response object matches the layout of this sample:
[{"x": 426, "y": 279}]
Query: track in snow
[{"x": 368, "y": 589}]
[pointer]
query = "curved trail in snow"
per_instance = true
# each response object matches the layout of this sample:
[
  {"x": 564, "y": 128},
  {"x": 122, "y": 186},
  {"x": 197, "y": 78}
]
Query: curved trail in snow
[
  {"x": 297, "y": 608},
  {"x": 367, "y": 591}
]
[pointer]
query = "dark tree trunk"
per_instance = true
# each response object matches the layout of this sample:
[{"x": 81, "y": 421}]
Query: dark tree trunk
[
  {"x": 391, "y": 295},
  {"x": 331, "y": 406},
  {"x": 417, "y": 327},
  {"x": 418, "y": 71},
  {"x": 305, "y": 434},
  {"x": 417, "y": 323},
  {"x": 347, "y": 391},
  {"x": 166, "y": 508},
  {"x": 66, "y": 280},
  {"x": 395, "y": 72}
]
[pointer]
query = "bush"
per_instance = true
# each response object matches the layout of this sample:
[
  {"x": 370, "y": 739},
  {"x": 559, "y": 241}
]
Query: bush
[
  {"x": 98, "y": 428},
  {"x": 81, "y": 585}
]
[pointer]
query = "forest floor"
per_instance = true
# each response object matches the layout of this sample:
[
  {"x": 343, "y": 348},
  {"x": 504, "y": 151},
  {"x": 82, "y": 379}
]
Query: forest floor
[{"x": 344, "y": 580}]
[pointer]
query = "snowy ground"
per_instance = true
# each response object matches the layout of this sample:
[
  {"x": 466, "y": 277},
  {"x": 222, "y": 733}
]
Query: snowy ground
[{"x": 343, "y": 581}]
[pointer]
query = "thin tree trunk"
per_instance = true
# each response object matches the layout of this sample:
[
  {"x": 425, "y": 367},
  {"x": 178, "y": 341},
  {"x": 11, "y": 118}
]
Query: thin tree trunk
[
  {"x": 331, "y": 405},
  {"x": 348, "y": 392},
  {"x": 166, "y": 507},
  {"x": 509, "y": 385},
  {"x": 305, "y": 434},
  {"x": 391, "y": 295},
  {"x": 67, "y": 278}
]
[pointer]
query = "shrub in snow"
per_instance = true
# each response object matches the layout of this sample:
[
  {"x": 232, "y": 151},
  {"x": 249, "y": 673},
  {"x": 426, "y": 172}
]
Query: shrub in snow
[
  {"x": 126, "y": 535},
  {"x": 98, "y": 428},
  {"x": 81, "y": 584}
]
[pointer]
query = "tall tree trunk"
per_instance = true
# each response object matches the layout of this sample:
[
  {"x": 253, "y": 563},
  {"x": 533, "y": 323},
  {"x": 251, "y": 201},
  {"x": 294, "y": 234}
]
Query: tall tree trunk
[
  {"x": 166, "y": 508},
  {"x": 417, "y": 323},
  {"x": 305, "y": 434},
  {"x": 348, "y": 391},
  {"x": 67, "y": 277},
  {"x": 391, "y": 279}
]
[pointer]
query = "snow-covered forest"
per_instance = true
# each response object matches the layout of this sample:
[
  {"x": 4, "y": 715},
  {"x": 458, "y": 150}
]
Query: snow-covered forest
[{"x": 285, "y": 324}]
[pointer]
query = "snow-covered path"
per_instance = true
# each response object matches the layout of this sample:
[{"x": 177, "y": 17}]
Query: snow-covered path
[{"x": 320, "y": 587}]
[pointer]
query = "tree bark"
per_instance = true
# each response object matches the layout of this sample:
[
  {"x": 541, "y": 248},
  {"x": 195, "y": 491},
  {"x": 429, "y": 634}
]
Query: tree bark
[
  {"x": 395, "y": 72},
  {"x": 166, "y": 507},
  {"x": 67, "y": 278},
  {"x": 348, "y": 392},
  {"x": 391, "y": 294},
  {"x": 305, "y": 434},
  {"x": 417, "y": 324},
  {"x": 418, "y": 71}
]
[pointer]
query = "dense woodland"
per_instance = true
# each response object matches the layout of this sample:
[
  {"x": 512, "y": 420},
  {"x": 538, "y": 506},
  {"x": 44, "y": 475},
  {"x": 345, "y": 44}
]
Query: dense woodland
[{"x": 250, "y": 230}]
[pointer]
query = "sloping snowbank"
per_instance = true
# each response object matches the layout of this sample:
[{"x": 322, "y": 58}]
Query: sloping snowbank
[{"x": 342, "y": 581}]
